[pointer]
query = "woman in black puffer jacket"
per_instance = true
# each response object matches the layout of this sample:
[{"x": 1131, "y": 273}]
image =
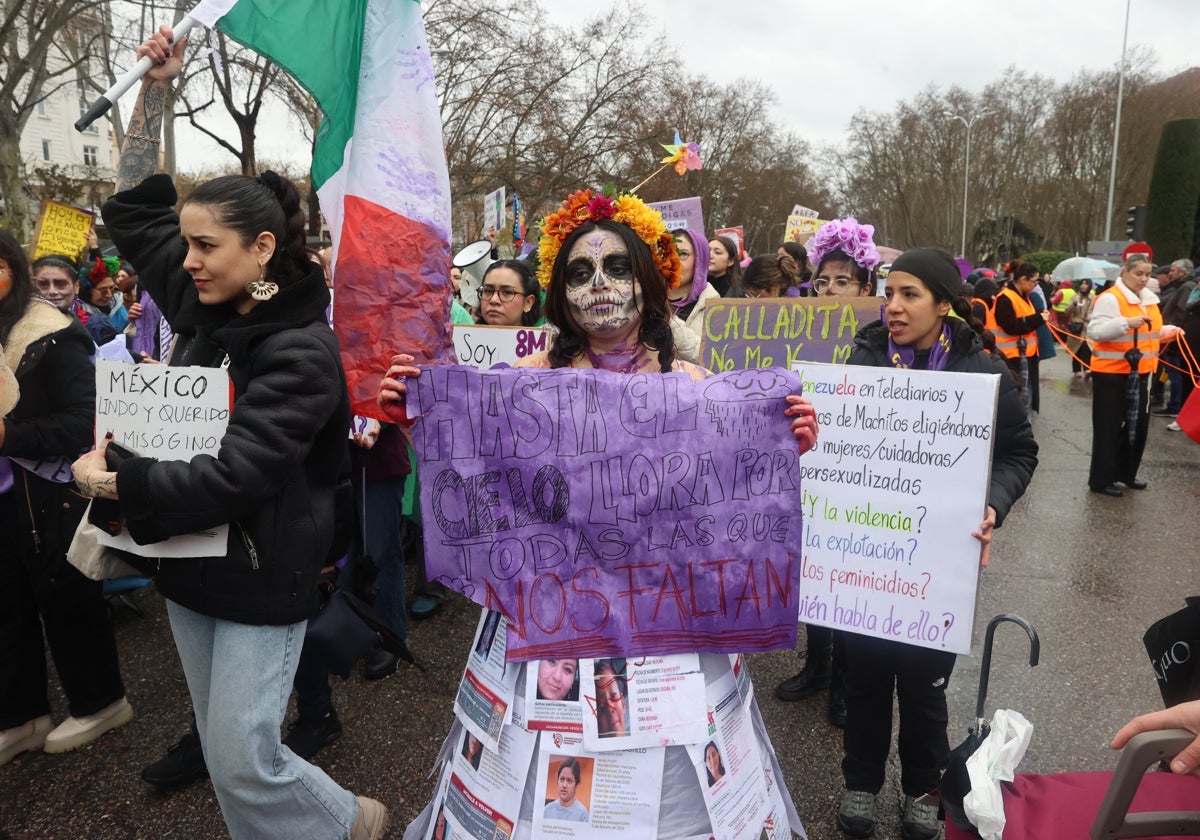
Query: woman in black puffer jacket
[
  {"x": 232, "y": 277},
  {"x": 918, "y": 332}
]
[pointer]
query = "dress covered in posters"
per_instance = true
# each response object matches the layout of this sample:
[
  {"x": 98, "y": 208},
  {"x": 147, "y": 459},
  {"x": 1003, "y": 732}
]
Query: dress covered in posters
[{"x": 668, "y": 746}]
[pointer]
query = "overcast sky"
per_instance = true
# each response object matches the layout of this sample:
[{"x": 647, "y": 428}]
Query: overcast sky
[{"x": 826, "y": 60}]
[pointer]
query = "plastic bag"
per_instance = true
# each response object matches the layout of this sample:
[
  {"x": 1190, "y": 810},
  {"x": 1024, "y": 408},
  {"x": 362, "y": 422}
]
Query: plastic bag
[{"x": 994, "y": 762}]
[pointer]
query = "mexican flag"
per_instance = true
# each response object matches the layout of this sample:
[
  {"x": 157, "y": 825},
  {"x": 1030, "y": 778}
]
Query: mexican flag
[{"x": 379, "y": 168}]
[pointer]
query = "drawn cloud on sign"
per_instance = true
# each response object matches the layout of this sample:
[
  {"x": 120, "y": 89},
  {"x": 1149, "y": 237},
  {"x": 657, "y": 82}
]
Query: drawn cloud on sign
[{"x": 731, "y": 397}]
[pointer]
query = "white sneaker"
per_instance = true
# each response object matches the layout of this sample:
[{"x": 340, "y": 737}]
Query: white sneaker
[
  {"x": 28, "y": 736},
  {"x": 1174, "y": 426},
  {"x": 74, "y": 733}
]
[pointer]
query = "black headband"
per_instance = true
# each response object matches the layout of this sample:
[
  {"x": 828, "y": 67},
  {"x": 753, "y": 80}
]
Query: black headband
[{"x": 933, "y": 268}]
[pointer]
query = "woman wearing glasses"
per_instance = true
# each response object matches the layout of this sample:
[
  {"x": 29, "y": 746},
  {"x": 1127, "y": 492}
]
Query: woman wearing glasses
[
  {"x": 1017, "y": 320},
  {"x": 509, "y": 295},
  {"x": 844, "y": 253}
]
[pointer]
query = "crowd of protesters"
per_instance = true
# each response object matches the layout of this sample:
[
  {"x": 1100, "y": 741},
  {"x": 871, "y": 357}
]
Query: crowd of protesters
[{"x": 228, "y": 282}]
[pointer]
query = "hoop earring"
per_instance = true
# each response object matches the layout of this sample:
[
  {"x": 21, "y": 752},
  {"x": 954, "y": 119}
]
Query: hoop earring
[{"x": 262, "y": 288}]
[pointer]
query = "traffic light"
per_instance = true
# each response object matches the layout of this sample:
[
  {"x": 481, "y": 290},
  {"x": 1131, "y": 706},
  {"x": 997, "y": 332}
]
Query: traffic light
[{"x": 1135, "y": 225}]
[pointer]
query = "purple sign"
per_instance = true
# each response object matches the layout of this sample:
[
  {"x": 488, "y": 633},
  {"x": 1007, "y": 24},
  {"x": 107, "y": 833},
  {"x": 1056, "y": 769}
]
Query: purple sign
[
  {"x": 607, "y": 514},
  {"x": 681, "y": 213}
]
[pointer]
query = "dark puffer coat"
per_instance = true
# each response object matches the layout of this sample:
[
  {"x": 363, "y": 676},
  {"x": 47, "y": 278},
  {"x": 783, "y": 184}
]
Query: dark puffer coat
[
  {"x": 1014, "y": 451},
  {"x": 283, "y": 457}
]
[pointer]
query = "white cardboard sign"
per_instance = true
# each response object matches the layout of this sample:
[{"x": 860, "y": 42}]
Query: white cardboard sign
[
  {"x": 170, "y": 413},
  {"x": 891, "y": 495},
  {"x": 482, "y": 345}
]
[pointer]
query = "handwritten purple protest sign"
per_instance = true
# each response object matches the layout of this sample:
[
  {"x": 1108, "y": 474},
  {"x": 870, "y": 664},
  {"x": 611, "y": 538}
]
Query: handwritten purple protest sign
[{"x": 606, "y": 514}]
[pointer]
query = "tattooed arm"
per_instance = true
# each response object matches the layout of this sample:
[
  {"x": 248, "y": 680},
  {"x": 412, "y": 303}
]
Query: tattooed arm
[
  {"x": 139, "y": 151},
  {"x": 92, "y": 476}
]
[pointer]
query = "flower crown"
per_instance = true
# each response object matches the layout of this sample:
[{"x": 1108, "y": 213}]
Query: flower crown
[
  {"x": 627, "y": 209},
  {"x": 848, "y": 236}
]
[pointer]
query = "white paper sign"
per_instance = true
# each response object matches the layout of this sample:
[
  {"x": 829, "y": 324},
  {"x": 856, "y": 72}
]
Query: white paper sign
[
  {"x": 483, "y": 346},
  {"x": 652, "y": 701},
  {"x": 552, "y": 696},
  {"x": 801, "y": 210},
  {"x": 484, "y": 700},
  {"x": 493, "y": 210},
  {"x": 891, "y": 495},
  {"x": 611, "y": 795},
  {"x": 730, "y": 767},
  {"x": 481, "y": 788},
  {"x": 169, "y": 413}
]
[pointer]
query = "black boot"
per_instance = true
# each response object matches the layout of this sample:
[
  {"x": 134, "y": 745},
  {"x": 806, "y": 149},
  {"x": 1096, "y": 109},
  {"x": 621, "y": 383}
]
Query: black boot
[
  {"x": 182, "y": 764},
  {"x": 813, "y": 677}
]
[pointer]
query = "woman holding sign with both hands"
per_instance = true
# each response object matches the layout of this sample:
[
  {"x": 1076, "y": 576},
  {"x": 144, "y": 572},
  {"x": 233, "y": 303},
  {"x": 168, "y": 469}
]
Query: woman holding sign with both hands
[
  {"x": 926, "y": 325},
  {"x": 608, "y": 263},
  {"x": 232, "y": 277}
]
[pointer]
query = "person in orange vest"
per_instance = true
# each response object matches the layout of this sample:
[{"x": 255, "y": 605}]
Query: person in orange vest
[
  {"x": 1017, "y": 320},
  {"x": 983, "y": 303},
  {"x": 1124, "y": 317}
]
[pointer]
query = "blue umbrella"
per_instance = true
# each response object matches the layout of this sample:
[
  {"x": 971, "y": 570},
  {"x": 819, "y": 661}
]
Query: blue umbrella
[{"x": 1134, "y": 356}]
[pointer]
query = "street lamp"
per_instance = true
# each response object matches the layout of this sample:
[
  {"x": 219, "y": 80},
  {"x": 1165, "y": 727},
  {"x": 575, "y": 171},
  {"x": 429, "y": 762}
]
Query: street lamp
[
  {"x": 969, "y": 123},
  {"x": 1112, "y": 175}
]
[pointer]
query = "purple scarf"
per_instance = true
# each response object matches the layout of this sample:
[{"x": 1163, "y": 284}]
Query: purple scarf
[
  {"x": 700, "y": 275},
  {"x": 903, "y": 357}
]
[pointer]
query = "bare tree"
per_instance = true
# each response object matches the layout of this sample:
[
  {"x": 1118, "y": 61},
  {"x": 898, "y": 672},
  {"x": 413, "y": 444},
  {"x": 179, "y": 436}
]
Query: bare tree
[
  {"x": 242, "y": 81},
  {"x": 34, "y": 37}
]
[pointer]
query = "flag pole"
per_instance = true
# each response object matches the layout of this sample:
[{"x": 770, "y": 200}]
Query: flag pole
[{"x": 133, "y": 74}]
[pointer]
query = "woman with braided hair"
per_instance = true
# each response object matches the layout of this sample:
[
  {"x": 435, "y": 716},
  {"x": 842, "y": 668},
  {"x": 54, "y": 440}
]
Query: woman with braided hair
[
  {"x": 232, "y": 277},
  {"x": 926, "y": 324}
]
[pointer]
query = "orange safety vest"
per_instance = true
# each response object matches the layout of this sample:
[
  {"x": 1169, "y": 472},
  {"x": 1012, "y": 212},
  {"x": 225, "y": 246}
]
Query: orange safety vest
[
  {"x": 1006, "y": 343},
  {"x": 1109, "y": 356},
  {"x": 989, "y": 318}
]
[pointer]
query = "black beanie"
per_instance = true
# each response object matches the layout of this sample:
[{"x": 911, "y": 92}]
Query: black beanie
[
  {"x": 986, "y": 288},
  {"x": 933, "y": 268}
]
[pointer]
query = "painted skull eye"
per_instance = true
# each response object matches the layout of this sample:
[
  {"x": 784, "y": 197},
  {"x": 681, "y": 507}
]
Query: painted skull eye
[
  {"x": 618, "y": 267},
  {"x": 580, "y": 272}
]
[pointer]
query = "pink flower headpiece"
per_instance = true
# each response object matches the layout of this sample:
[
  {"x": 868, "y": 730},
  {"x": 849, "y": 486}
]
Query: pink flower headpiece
[{"x": 848, "y": 236}]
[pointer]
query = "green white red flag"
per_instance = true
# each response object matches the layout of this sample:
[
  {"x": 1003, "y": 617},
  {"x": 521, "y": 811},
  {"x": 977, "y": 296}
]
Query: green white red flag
[{"x": 379, "y": 168}]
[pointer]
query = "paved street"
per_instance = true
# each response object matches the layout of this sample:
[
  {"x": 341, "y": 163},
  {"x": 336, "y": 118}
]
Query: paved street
[{"x": 1090, "y": 572}]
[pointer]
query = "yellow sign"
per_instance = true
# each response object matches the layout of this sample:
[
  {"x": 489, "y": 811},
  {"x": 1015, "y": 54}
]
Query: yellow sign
[
  {"x": 61, "y": 229},
  {"x": 801, "y": 228}
]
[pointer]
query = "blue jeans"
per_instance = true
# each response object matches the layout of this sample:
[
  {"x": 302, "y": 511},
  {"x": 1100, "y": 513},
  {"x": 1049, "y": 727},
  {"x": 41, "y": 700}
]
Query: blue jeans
[
  {"x": 384, "y": 517},
  {"x": 240, "y": 676}
]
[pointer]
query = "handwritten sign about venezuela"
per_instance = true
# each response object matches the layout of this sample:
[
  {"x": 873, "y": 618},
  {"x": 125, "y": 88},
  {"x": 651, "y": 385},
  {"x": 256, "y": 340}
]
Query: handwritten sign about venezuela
[
  {"x": 892, "y": 493},
  {"x": 606, "y": 514},
  {"x": 778, "y": 332}
]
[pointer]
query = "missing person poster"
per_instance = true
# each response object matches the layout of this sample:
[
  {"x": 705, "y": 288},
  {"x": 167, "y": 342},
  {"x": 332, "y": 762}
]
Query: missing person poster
[
  {"x": 589, "y": 797},
  {"x": 484, "y": 699},
  {"x": 648, "y": 701},
  {"x": 552, "y": 693},
  {"x": 730, "y": 767},
  {"x": 482, "y": 787}
]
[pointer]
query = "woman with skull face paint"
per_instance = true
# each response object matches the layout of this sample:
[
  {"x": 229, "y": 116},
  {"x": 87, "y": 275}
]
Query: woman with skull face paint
[{"x": 608, "y": 264}]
